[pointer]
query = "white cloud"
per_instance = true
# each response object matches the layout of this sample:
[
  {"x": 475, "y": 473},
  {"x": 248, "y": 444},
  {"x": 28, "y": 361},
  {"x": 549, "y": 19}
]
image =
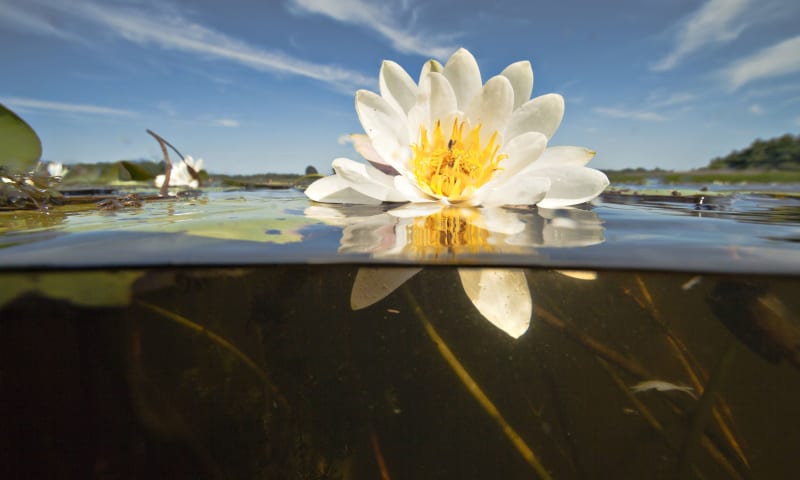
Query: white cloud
[
  {"x": 678, "y": 98},
  {"x": 34, "y": 104},
  {"x": 757, "y": 109},
  {"x": 716, "y": 22},
  {"x": 629, "y": 114},
  {"x": 173, "y": 32},
  {"x": 228, "y": 122},
  {"x": 779, "y": 59},
  {"x": 381, "y": 17}
]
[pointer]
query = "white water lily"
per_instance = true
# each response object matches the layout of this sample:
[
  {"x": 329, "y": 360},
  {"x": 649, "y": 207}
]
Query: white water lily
[
  {"x": 180, "y": 175},
  {"x": 452, "y": 139},
  {"x": 56, "y": 169}
]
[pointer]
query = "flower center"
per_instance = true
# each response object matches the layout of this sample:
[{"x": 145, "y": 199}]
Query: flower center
[
  {"x": 451, "y": 230},
  {"x": 454, "y": 167}
]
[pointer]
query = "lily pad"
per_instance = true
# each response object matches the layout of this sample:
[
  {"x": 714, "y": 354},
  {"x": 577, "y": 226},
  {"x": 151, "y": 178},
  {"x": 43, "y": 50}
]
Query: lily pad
[{"x": 20, "y": 147}]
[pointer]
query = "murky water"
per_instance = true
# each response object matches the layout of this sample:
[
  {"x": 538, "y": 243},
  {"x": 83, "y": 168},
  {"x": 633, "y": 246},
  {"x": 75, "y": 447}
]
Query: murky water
[{"x": 258, "y": 337}]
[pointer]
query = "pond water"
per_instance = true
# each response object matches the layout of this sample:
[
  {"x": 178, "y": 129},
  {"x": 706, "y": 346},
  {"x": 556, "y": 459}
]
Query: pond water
[{"x": 256, "y": 335}]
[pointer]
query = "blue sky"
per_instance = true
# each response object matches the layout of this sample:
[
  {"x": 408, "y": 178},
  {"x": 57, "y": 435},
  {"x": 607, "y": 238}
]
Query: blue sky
[{"x": 267, "y": 86}]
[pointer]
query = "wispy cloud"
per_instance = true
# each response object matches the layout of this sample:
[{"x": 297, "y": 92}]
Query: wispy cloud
[
  {"x": 44, "y": 105},
  {"x": 717, "y": 22},
  {"x": 383, "y": 18},
  {"x": 671, "y": 100},
  {"x": 227, "y": 122},
  {"x": 31, "y": 22},
  {"x": 174, "y": 32},
  {"x": 780, "y": 59},
  {"x": 647, "y": 116},
  {"x": 757, "y": 109}
]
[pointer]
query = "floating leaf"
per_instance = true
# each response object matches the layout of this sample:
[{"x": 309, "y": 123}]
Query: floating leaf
[
  {"x": 90, "y": 289},
  {"x": 20, "y": 147}
]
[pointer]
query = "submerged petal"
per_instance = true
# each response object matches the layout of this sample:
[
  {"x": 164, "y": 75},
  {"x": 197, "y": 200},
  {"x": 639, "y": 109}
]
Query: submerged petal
[
  {"x": 464, "y": 75},
  {"x": 520, "y": 74},
  {"x": 501, "y": 295},
  {"x": 571, "y": 185},
  {"x": 397, "y": 86},
  {"x": 541, "y": 114},
  {"x": 375, "y": 284}
]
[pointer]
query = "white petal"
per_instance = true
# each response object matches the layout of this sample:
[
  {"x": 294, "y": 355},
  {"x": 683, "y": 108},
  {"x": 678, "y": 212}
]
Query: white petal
[
  {"x": 522, "y": 151},
  {"x": 428, "y": 67},
  {"x": 464, "y": 75},
  {"x": 492, "y": 107},
  {"x": 363, "y": 146},
  {"x": 397, "y": 86},
  {"x": 526, "y": 188},
  {"x": 367, "y": 180},
  {"x": 501, "y": 295},
  {"x": 409, "y": 190},
  {"x": 579, "y": 274},
  {"x": 375, "y": 284},
  {"x": 563, "y": 156},
  {"x": 442, "y": 101},
  {"x": 541, "y": 114},
  {"x": 333, "y": 189},
  {"x": 571, "y": 185},
  {"x": 385, "y": 126},
  {"x": 521, "y": 76}
]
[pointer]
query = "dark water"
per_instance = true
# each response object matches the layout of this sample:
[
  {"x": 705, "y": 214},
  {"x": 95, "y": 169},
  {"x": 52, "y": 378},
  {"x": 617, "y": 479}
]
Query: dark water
[{"x": 230, "y": 346}]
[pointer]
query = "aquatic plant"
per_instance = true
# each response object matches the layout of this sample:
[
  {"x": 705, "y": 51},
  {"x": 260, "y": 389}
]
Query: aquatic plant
[{"x": 453, "y": 140}]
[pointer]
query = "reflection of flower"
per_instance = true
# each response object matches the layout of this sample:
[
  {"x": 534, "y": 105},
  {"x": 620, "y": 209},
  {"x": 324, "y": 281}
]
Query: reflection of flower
[
  {"x": 452, "y": 140},
  {"x": 180, "y": 175},
  {"x": 56, "y": 169},
  {"x": 501, "y": 295}
]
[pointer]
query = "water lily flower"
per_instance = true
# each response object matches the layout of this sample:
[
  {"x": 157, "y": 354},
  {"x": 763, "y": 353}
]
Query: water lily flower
[
  {"x": 180, "y": 175},
  {"x": 452, "y": 139},
  {"x": 56, "y": 169}
]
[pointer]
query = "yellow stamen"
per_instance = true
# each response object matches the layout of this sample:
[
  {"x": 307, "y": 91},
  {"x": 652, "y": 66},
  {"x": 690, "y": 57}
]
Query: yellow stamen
[
  {"x": 453, "y": 168},
  {"x": 449, "y": 231}
]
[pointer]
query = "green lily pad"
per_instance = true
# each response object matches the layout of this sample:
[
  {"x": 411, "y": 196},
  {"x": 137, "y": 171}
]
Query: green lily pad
[
  {"x": 89, "y": 289},
  {"x": 20, "y": 147}
]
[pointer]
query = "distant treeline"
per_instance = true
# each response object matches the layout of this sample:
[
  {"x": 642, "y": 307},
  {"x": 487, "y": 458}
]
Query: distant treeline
[{"x": 781, "y": 153}]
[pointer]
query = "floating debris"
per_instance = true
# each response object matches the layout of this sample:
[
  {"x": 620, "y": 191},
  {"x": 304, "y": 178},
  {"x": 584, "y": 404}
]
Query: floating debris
[{"x": 662, "y": 386}]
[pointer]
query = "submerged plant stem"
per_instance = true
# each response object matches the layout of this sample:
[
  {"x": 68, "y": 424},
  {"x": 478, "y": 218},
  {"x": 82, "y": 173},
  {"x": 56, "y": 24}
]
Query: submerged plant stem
[
  {"x": 695, "y": 372},
  {"x": 222, "y": 342},
  {"x": 475, "y": 389},
  {"x": 704, "y": 409}
]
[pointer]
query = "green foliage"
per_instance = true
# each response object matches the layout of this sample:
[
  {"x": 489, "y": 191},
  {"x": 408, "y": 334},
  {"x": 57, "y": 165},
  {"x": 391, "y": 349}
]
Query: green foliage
[
  {"x": 20, "y": 147},
  {"x": 137, "y": 171},
  {"x": 781, "y": 153}
]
